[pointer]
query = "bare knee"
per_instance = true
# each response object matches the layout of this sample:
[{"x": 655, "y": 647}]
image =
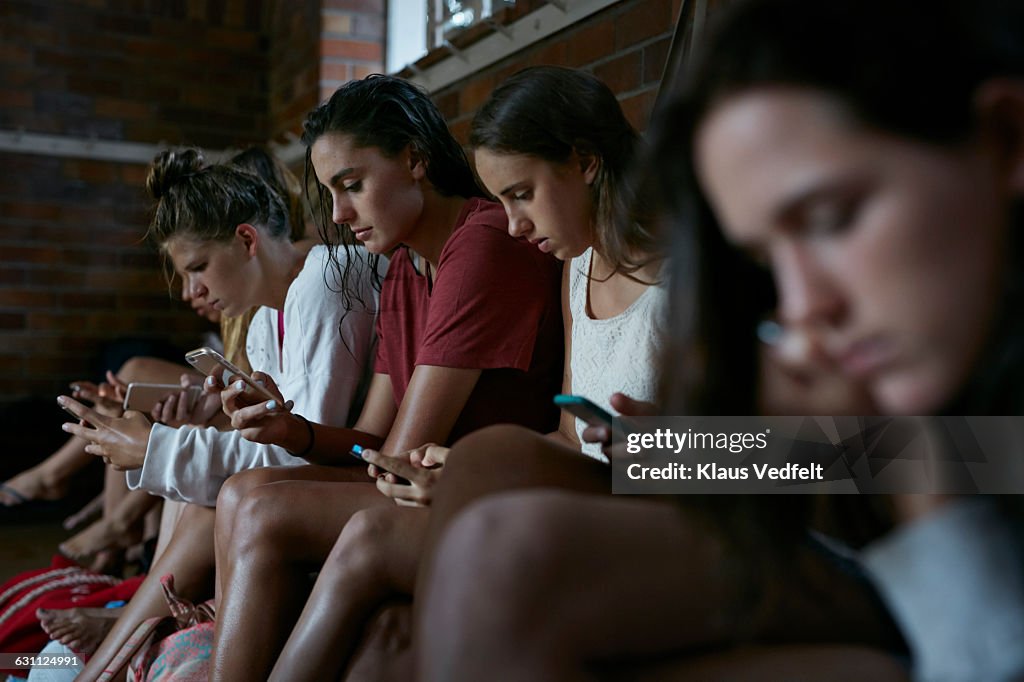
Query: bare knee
[
  {"x": 133, "y": 369},
  {"x": 359, "y": 553},
  {"x": 262, "y": 521},
  {"x": 486, "y": 443},
  {"x": 470, "y": 469},
  {"x": 512, "y": 544},
  {"x": 240, "y": 484}
]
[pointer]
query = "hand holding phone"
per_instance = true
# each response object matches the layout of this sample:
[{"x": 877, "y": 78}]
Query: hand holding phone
[
  {"x": 212, "y": 363},
  {"x": 144, "y": 397},
  {"x": 75, "y": 416},
  {"x": 357, "y": 452},
  {"x": 416, "y": 472}
]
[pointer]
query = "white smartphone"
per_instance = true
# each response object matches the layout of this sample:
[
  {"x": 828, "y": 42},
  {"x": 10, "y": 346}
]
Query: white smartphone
[
  {"x": 212, "y": 363},
  {"x": 144, "y": 397}
]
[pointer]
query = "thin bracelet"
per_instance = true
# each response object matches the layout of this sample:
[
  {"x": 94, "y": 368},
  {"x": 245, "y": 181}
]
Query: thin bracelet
[{"x": 312, "y": 439}]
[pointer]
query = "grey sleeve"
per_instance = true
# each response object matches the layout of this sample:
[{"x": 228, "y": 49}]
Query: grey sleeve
[{"x": 954, "y": 582}]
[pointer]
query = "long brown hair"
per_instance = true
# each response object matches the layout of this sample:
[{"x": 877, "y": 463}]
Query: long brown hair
[{"x": 550, "y": 112}]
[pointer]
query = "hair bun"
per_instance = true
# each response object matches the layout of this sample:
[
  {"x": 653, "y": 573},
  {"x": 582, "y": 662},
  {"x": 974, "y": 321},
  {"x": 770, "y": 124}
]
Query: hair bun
[{"x": 172, "y": 167}]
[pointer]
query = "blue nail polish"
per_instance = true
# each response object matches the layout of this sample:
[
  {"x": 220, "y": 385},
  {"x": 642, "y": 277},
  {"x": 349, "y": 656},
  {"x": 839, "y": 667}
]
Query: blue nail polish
[
  {"x": 240, "y": 385},
  {"x": 271, "y": 404}
]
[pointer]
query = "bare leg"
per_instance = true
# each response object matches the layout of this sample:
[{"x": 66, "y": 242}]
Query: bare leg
[
  {"x": 587, "y": 578},
  {"x": 189, "y": 556},
  {"x": 385, "y": 652},
  {"x": 375, "y": 558},
  {"x": 92, "y": 510},
  {"x": 169, "y": 516},
  {"x": 120, "y": 529},
  {"x": 235, "y": 488},
  {"x": 282, "y": 531},
  {"x": 48, "y": 480},
  {"x": 115, "y": 489},
  {"x": 528, "y": 460}
]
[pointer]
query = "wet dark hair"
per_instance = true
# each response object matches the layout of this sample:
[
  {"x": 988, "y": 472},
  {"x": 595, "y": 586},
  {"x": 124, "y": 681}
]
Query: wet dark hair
[
  {"x": 897, "y": 67},
  {"x": 208, "y": 201},
  {"x": 259, "y": 160},
  {"x": 550, "y": 112},
  {"x": 389, "y": 114}
]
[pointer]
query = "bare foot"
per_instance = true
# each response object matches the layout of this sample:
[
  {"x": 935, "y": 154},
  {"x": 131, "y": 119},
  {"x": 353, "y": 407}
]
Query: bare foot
[
  {"x": 32, "y": 484},
  {"x": 81, "y": 629},
  {"x": 87, "y": 513},
  {"x": 109, "y": 561},
  {"x": 100, "y": 535}
]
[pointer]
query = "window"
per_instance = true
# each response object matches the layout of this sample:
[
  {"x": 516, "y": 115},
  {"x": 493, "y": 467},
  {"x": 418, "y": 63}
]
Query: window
[
  {"x": 417, "y": 26},
  {"x": 448, "y": 17},
  {"x": 407, "y": 33}
]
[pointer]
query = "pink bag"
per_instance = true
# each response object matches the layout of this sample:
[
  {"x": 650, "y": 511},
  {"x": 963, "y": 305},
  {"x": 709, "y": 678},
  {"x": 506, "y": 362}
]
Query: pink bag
[{"x": 178, "y": 647}]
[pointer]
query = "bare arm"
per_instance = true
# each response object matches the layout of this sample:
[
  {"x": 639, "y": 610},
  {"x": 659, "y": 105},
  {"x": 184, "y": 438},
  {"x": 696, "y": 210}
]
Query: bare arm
[
  {"x": 566, "y": 433},
  {"x": 263, "y": 423},
  {"x": 432, "y": 403}
]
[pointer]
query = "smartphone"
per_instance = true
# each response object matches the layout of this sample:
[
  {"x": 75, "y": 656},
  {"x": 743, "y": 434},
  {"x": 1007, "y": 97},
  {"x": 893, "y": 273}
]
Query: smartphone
[
  {"x": 357, "y": 452},
  {"x": 144, "y": 397},
  {"x": 578, "y": 406},
  {"x": 212, "y": 363},
  {"x": 75, "y": 417}
]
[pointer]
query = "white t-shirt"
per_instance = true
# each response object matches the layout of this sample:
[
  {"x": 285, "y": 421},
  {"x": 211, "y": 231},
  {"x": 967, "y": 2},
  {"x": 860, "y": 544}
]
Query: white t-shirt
[
  {"x": 619, "y": 354},
  {"x": 321, "y": 367}
]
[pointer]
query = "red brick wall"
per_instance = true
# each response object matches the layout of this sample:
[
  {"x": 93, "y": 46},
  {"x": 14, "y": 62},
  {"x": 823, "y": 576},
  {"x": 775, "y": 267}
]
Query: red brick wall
[
  {"x": 625, "y": 45},
  {"x": 351, "y": 42},
  {"x": 294, "y": 64},
  {"x": 183, "y": 72},
  {"x": 73, "y": 273}
]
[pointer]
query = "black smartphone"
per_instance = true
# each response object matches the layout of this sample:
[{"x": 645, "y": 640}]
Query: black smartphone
[
  {"x": 75, "y": 417},
  {"x": 357, "y": 452}
]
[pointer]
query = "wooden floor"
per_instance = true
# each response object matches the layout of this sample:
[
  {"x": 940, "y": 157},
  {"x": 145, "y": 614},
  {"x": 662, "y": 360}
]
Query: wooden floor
[{"x": 28, "y": 544}]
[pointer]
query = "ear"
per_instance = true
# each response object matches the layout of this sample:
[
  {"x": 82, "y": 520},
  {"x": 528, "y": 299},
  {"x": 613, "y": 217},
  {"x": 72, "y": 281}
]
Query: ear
[
  {"x": 417, "y": 162},
  {"x": 999, "y": 106},
  {"x": 250, "y": 237},
  {"x": 589, "y": 163}
]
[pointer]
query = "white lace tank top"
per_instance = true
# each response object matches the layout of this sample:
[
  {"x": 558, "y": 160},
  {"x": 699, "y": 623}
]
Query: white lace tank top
[{"x": 619, "y": 354}]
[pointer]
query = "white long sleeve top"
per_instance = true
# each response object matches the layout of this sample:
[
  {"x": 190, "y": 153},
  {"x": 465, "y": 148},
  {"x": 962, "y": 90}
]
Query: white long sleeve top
[{"x": 321, "y": 366}]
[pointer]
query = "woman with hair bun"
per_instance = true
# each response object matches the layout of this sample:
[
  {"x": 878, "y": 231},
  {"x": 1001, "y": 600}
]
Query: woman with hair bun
[{"x": 228, "y": 232}]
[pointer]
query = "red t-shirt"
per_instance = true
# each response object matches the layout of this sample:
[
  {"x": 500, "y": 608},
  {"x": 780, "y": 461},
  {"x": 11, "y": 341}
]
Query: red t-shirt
[{"x": 495, "y": 306}]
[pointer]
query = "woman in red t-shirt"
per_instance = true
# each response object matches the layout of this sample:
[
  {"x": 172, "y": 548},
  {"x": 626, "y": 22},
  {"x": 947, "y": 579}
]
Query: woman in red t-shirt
[
  {"x": 470, "y": 334},
  {"x": 553, "y": 144}
]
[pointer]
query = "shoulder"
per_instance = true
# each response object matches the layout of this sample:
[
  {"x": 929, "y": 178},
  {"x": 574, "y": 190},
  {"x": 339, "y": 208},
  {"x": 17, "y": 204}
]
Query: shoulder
[
  {"x": 483, "y": 223},
  {"x": 486, "y": 213},
  {"x": 482, "y": 239}
]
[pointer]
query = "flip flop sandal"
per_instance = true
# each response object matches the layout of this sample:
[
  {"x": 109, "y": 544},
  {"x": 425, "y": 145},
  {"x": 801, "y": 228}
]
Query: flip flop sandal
[{"x": 8, "y": 490}]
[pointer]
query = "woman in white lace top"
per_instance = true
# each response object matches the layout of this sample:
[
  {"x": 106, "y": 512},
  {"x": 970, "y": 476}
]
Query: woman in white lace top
[{"x": 553, "y": 145}]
